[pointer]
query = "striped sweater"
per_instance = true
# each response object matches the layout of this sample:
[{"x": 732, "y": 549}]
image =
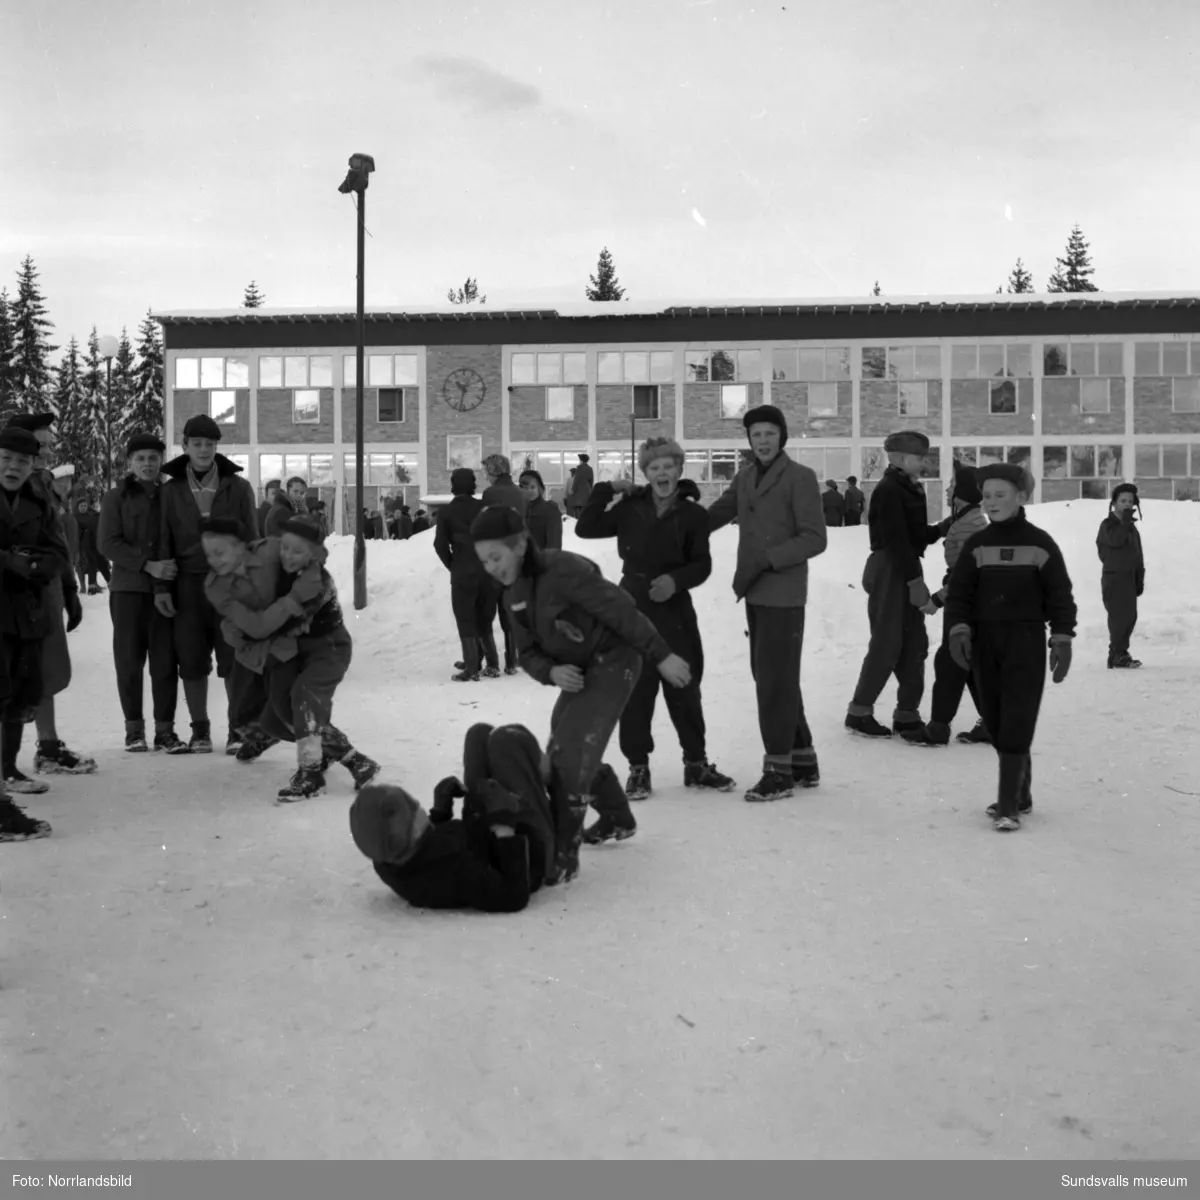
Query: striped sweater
[{"x": 970, "y": 520}]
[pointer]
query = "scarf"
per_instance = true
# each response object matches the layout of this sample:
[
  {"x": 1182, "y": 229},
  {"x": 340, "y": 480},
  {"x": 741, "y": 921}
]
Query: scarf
[{"x": 204, "y": 491}]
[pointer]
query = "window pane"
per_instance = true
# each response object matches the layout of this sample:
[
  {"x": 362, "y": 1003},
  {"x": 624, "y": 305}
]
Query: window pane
[
  {"x": 1054, "y": 462},
  {"x": 837, "y": 362},
  {"x": 1146, "y": 460},
  {"x": 1083, "y": 358},
  {"x": 810, "y": 456},
  {"x": 270, "y": 466},
  {"x": 295, "y": 371},
  {"x": 990, "y": 454},
  {"x": 734, "y": 400},
  {"x": 608, "y": 367},
  {"x": 783, "y": 364},
  {"x": 931, "y": 466},
  {"x": 1093, "y": 396},
  {"x": 187, "y": 372},
  {"x": 379, "y": 370},
  {"x": 270, "y": 372},
  {"x": 662, "y": 366},
  {"x": 306, "y": 407},
  {"x": 349, "y": 469},
  {"x": 723, "y": 465},
  {"x": 349, "y": 370},
  {"x": 240, "y": 460},
  {"x": 929, "y": 362},
  {"x": 837, "y": 462},
  {"x": 749, "y": 365},
  {"x": 1083, "y": 462},
  {"x": 1054, "y": 360},
  {"x": 912, "y": 402},
  {"x": 222, "y": 407},
  {"x": 645, "y": 402},
  {"x": 695, "y": 466},
  {"x": 1145, "y": 358},
  {"x": 822, "y": 399},
  {"x": 406, "y": 469},
  {"x": 379, "y": 469},
  {"x": 812, "y": 363},
  {"x": 523, "y": 369},
  {"x": 550, "y": 467},
  {"x": 966, "y": 455},
  {"x": 1174, "y": 461},
  {"x": 637, "y": 366},
  {"x": 1108, "y": 461},
  {"x": 406, "y": 370},
  {"x": 549, "y": 368},
  {"x": 611, "y": 465},
  {"x": 1174, "y": 358},
  {"x": 295, "y": 466},
  {"x": 900, "y": 362},
  {"x": 991, "y": 362},
  {"x": 391, "y": 408},
  {"x": 695, "y": 366},
  {"x": 874, "y": 362},
  {"x": 874, "y": 462},
  {"x": 320, "y": 371},
  {"x": 723, "y": 368},
  {"x": 574, "y": 368},
  {"x": 1019, "y": 456},
  {"x": 1187, "y": 395},
  {"x": 1110, "y": 359},
  {"x": 212, "y": 372},
  {"x": 320, "y": 469},
  {"x": 560, "y": 404},
  {"x": 964, "y": 362},
  {"x": 1196, "y": 358},
  {"x": 1020, "y": 361},
  {"x": 237, "y": 372},
  {"x": 1003, "y": 397}
]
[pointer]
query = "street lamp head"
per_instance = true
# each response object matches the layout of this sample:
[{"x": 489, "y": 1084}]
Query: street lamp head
[
  {"x": 361, "y": 166},
  {"x": 109, "y": 346}
]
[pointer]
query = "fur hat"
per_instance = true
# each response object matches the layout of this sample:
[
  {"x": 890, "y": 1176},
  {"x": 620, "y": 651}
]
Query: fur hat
[
  {"x": 659, "y": 447},
  {"x": 767, "y": 414},
  {"x": 305, "y": 527},
  {"x": 19, "y": 441},
  {"x": 32, "y": 421},
  {"x": 462, "y": 481},
  {"x": 144, "y": 441},
  {"x": 907, "y": 441},
  {"x": 1010, "y": 473},
  {"x": 495, "y": 523},
  {"x": 225, "y": 527},
  {"x": 966, "y": 486},
  {"x": 202, "y": 426},
  {"x": 1124, "y": 487},
  {"x": 382, "y": 823}
]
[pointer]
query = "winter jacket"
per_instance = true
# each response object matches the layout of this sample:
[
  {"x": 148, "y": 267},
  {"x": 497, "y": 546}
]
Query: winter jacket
[
  {"x": 564, "y": 613},
  {"x": 33, "y": 553},
  {"x": 964, "y": 523},
  {"x": 130, "y": 532},
  {"x": 452, "y": 541},
  {"x": 505, "y": 492},
  {"x": 88, "y": 523},
  {"x": 404, "y": 527},
  {"x": 898, "y": 520},
  {"x": 580, "y": 488},
  {"x": 780, "y": 527},
  {"x": 264, "y": 511},
  {"x": 420, "y": 524},
  {"x": 1011, "y": 571},
  {"x": 1119, "y": 546},
  {"x": 42, "y": 483},
  {"x": 282, "y": 510},
  {"x": 833, "y": 504},
  {"x": 180, "y": 537},
  {"x": 543, "y": 519},
  {"x": 855, "y": 500}
]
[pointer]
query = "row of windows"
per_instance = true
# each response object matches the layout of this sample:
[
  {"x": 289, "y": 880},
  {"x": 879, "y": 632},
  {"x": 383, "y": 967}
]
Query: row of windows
[{"x": 295, "y": 371}]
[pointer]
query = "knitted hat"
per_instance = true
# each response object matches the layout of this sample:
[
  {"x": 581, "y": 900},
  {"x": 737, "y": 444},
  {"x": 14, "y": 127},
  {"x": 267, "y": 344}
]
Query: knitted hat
[
  {"x": 907, "y": 441},
  {"x": 767, "y": 414},
  {"x": 382, "y": 820},
  {"x": 462, "y": 481},
  {"x": 1010, "y": 473},
  {"x": 659, "y": 447},
  {"x": 966, "y": 487},
  {"x": 495, "y": 523},
  {"x": 32, "y": 421},
  {"x": 19, "y": 441},
  {"x": 202, "y": 426},
  {"x": 305, "y": 527},
  {"x": 225, "y": 527},
  {"x": 143, "y": 441},
  {"x": 1124, "y": 487}
]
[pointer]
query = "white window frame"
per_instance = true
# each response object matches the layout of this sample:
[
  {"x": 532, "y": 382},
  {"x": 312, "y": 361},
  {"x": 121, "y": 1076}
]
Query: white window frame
[
  {"x": 997, "y": 382},
  {"x": 1192, "y": 402},
  {"x": 1006, "y": 366},
  {"x": 569, "y": 388},
  {"x": 826, "y": 387},
  {"x": 657, "y": 389},
  {"x": 911, "y": 384},
  {"x": 282, "y": 360},
  {"x": 888, "y": 375},
  {"x": 824, "y": 351},
  {"x": 743, "y": 408},
  {"x": 212, "y": 405},
  {"x": 734, "y": 355},
  {"x": 349, "y": 369},
  {"x": 623, "y": 355},
  {"x": 199, "y": 359},
  {"x": 315, "y": 393},
  {"x": 1104, "y": 381},
  {"x": 403, "y": 404},
  {"x": 1139, "y": 449}
]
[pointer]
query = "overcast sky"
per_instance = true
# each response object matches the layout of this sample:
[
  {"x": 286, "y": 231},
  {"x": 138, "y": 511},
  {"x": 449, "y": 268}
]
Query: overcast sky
[{"x": 157, "y": 153}]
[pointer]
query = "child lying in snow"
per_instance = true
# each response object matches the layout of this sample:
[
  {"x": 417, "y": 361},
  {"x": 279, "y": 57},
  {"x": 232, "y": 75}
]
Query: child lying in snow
[{"x": 494, "y": 858}]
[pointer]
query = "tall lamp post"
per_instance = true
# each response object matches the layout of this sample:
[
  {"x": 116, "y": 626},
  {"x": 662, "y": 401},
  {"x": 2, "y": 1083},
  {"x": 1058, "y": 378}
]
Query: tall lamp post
[
  {"x": 108, "y": 351},
  {"x": 361, "y": 166}
]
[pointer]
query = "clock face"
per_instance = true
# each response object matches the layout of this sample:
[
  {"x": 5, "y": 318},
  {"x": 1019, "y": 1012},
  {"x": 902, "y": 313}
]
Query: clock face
[{"x": 464, "y": 389}]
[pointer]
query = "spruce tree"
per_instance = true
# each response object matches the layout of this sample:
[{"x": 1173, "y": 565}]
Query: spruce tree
[
  {"x": 92, "y": 435},
  {"x": 604, "y": 284},
  {"x": 6, "y": 353},
  {"x": 1073, "y": 272},
  {"x": 70, "y": 404},
  {"x": 467, "y": 294},
  {"x": 32, "y": 383},
  {"x": 120, "y": 401},
  {"x": 253, "y": 298},
  {"x": 145, "y": 411},
  {"x": 1020, "y": 281}
]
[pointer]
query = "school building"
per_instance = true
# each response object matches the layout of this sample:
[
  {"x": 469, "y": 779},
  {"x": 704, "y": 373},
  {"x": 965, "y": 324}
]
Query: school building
[{"x": 1083, "y": 390}]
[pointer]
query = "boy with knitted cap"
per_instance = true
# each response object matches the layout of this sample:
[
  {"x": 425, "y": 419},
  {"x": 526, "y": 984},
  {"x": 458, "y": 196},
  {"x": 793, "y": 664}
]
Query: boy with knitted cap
[
  {"x": 662, "y": 536},
  {"x": 1123, "y": 573},
  {"x": 1010, "y": 580}
]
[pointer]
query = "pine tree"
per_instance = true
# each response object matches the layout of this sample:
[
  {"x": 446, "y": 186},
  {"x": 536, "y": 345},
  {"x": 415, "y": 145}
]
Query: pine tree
[
  {"x": 69, "y": 402},
  {"x": 875, "y": 290},
  {"x": 6, "y": 354},
  {"x": 31, "y": 380},
  {"x": 93, "y": 431},
  {"x": 253, "y": 298},
  {"x": 1020, "y": 281},
  {"x": 604, "y": 284},
  {"x": 467, "y": 294},
  {"x": 1073, "y": 272},
  {"x": 120, "y": 401},
  {"x": 145, "y": 411}
]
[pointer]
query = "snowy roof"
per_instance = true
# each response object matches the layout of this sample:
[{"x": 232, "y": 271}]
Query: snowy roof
[{"x": 775, "y": 306}]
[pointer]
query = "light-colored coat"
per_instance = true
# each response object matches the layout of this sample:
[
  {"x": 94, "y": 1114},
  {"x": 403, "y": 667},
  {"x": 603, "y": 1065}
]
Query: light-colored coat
[{"x": 969, "y": 521}]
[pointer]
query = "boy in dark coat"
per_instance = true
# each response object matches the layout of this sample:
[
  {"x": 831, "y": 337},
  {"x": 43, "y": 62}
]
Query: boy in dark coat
[
  {"x": 543, "y": 518},
  {"x": 1123, "y": 574},
  {"x": 494, "y": 858},
  {"x": 271, "y": 490},
  {"x": 421, "y": 521},
  {"x": 579, "y": 488},
  {"x": 833, "y": 504},
  {"x": 662, "y": 536},
  {"x": 404, "y": 524},
  {"x": 201, "y": 484},
  {"x": 502, "y": 490},
  {"x": 129, "y": 532},
  {"x": 288, "y": 503},
  {"x": 855, "y": 501},
  {"x": 1010, "y": 581},
  {"x": 776, "y": 502},
  {"x": 584, "y": 635},
  {"x": 897, "y": 599},
  {"x": 473, "y": 598}
]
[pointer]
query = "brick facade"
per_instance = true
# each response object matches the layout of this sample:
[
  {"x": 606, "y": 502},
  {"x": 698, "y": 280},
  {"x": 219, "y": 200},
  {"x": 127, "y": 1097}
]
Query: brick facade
[
  {"x": 191, "y": 402},
  {"x": 702, "y": 412},
  {"x": 275, "y": 424},
  {"x": 879, "y": 404},
  {"x": 375, "y": 430},
  {"x": 970, "y": 415},
  {"x": 614, "y": 403},
  {"x": 791, "y": 398},
  {"x": 486, "y": 421},
  {"x": 1061, "y": 414},
  {"x": 527, "y": 418},
  {"x": 1152, "y": 409}
]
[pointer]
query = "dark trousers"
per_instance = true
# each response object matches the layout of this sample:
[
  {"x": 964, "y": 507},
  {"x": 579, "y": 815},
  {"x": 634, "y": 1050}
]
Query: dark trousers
[
  {"x": 473, "y": 602},
  {"x": 141, "y": 632},
  {"x": 854, "y": 518},
  {"x": 299, "y": 692},
  {"x": 949, "y": 681},
  {"x": 776, "y": 646},
  {"x": 197, "y": 631},
  {"x": 23, "y": 669},
  {"x": 1119, "y": 593},
  {"x": 94, "y": 563},
  {"x": 899, "y": 643}
]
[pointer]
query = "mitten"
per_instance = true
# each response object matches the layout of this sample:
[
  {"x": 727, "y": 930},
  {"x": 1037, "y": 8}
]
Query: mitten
[
  {"x": 918, "y": 593},
  {"x": 960, "y": 646},
  {"x": 1060, "y": 657},
  {"x": 1140, "y": 580},
  {"x": 443, "y": 799},
  {"x": 74, "y": 610}
]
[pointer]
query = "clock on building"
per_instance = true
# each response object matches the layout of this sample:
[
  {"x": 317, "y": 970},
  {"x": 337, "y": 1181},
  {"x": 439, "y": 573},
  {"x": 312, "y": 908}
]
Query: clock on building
[{"x": 464, "y": 389}]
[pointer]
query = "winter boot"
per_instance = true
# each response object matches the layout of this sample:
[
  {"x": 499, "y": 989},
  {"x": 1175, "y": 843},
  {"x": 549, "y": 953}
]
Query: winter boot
[
  {"x": 135, "y": 737},
  {"x": 254, "y": 745},
  {"x": 866, "y": 726},
  {"x": 17, "y": 781},
  {"x": 637, "y": 786},
  {"x": 1011, "y": 792},
  {"x": 17, "y": 826},
  {"x": 201, "y": 742},
  {"x": 805, "y": 770},
  {"x": 308, "y": 781},
  {"x": 1125, "y": 662},
  {"x": 935, "y": 733},
  {"x": 1025, "y": 804},
  {"x": 54, "y": 758},
  {"x": 570, "y": 838},
  {"x": 705, "y": 775},
  {"x": 362, "y": 769},
  {"x": 487, "y": 648},
  {"x": 978, "y": 736},
  {"x": 171, "y": 742},
  {"x": 512, "y": 669},
  {"x": 606, "y": 829},
  {"x": 470, "y": 668},
  {"x": 490, "y": 673},
  {"x": 910, "y": 724},
  {"x": 775, "y": 784},
  {"x": 510, "y": 652}
]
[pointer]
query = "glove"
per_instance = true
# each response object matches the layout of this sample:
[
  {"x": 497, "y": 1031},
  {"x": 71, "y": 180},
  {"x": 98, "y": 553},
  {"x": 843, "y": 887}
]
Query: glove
[
  {"x": 1060, "y": 657},
  {"x": 443, "y": 799},
  {"x": 918, "y": 593},
  {"x": 960, "y": 646},
  {"x": 74, "y": 611},
  {"x": 19, "y": 564}
]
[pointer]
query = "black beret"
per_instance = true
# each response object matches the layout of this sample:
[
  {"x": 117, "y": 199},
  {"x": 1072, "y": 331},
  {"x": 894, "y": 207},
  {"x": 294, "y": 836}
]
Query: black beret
[{"x": 144, "y": 441}]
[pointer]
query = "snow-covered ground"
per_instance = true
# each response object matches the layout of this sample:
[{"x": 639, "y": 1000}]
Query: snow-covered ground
[{"x": 867, "y": 970}]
